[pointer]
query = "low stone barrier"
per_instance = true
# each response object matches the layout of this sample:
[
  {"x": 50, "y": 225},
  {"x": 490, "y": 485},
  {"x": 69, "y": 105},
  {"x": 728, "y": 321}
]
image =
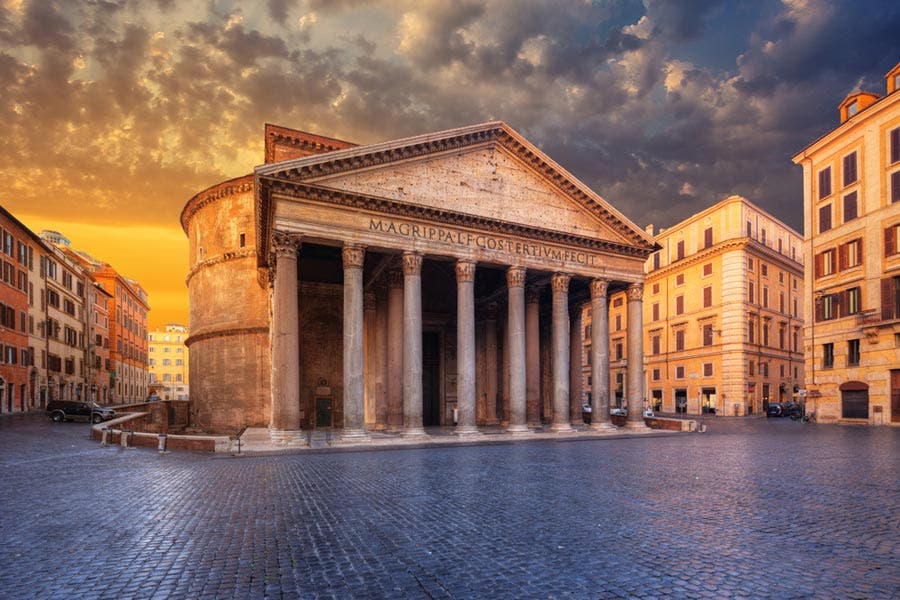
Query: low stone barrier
[
  {"x": 132, "y": 426},
  {"x": 664, "y": 423}
]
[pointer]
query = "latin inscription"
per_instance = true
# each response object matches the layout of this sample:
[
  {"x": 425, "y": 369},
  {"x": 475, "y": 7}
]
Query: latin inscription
[{"x": 481, "y": 241}]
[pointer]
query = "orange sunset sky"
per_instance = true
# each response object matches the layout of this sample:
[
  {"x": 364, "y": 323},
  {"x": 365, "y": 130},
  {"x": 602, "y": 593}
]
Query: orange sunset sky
[{"x": 114, "y": 114}]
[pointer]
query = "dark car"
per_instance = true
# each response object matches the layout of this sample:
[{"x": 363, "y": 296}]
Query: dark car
[
  {"x": 793, "y": 410},
  {"x": 66, "y": 410},
  {"x": 775, "y": 410}
]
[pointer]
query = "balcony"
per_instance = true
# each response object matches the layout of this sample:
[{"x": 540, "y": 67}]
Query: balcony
[{"x": 868, "y": 317}]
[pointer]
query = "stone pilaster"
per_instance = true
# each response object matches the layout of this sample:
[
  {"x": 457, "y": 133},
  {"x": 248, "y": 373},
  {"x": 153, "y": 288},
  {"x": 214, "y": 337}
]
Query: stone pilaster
[
  {"x": 515, "y": 339},
  {"x": 576, "y": 372},
  {"x": 284, "y": 424},
  {"x": 532, "y": 357},
  {"x": 353, "y": 368},
  {"x": 636, "y": 400},
  {"x": 465, "y": 348},
  {"x": 600, "y": 420},
  {"x": 412, "y": 344},
  {"x": 394, "y": 383},
  {"x": 559, "y": 353}
]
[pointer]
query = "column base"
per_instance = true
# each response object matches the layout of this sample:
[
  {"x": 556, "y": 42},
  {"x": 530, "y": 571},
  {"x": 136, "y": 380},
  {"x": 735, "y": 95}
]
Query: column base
[
  {"x": 466, "y": 430},
  {"x": 517, "y": 430},
  {"x": 355, "y": 436},
  {"x": 606, "y": 426},
  {"x": 292, "y": 438},
  {"x": 636, "y": 426},
  {"x": 561, "y": 428},
  {"x": 492, "y": 422},
  {"x": 413, "y": 432}
]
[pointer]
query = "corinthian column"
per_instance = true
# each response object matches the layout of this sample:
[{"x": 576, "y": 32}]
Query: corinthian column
[
  {"x": 600, "y": 420},
  {"x": 490, "y": 359},
  {"x": 532, "y": 357},
  {"x": 559, "y": 353},
  {"x": 354, "y": 380},
  {"x": 635, "y": 418},
  {"x": 284, "y": 424},
  {"x": 515, "y": 339},
  {"x": 465, "y": 347},
  {"x": 576, "y": 367},
  {"x": 412, "y": 344}
]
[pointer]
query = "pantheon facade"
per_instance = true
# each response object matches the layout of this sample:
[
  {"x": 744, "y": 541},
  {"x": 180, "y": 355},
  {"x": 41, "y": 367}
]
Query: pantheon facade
[{"x": 437, "y": 280}]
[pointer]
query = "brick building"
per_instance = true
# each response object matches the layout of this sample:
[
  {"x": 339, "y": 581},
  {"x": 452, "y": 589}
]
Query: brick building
[{"x": 851, "y": 189}]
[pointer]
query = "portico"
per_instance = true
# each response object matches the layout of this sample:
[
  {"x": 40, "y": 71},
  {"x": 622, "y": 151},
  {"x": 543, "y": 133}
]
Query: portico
[{"x": 415, "y": 283}]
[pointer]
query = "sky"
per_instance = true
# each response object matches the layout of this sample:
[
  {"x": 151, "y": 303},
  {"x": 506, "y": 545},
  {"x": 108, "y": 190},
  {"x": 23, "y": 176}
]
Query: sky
[{"x": 114, "y": 113}]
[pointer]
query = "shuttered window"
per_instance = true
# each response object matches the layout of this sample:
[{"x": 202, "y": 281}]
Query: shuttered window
[
  {"x": 824, "y": 183},
  {"x": 895, "y": 145},
  {"x": 890, "y": 240},
  {"x": 679, "y": 340},
  {"x": 850, "y": 210},
  {"x": 895, "y": 187},
  {"x": 707, "y": 297},
  {"x": 824, "y": 218},
  {"x": 679, "y": 305},
  {"x": 850, "y": 169},
  {"x": 680, "y": 250},
  {"x": 707, "y": 237}
]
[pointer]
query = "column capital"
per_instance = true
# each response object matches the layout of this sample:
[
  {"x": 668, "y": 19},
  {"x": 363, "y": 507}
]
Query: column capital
[
  {"x": 599, "y": 288},
  {"x": 412, "y": 263},
  {"x": 515, "y": 277},
  {"x": 560, "y": 282},
  {"x": 532, "y": 294},
  {"x": 285, "y": 243},
  {"x": 635, "y": 292},
  {"x": 353, "y": 256},
  {"x": 465, "y": 270}
]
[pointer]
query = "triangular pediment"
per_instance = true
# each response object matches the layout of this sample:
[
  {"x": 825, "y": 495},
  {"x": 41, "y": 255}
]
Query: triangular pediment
[{"x": 487, "y": 171}]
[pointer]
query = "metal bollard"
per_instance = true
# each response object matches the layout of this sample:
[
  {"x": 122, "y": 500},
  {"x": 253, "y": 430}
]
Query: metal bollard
[
  {"x": 104, "y": 433},
  {"x": 162, "y": 443},
  {"x": 237, "y": 439}
]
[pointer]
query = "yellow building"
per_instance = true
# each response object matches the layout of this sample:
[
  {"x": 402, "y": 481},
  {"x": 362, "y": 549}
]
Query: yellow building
[
  {"x": 722, "y": 314},
  {"x": 851, "y": 189},
  {"x": 169, "y": 362}
]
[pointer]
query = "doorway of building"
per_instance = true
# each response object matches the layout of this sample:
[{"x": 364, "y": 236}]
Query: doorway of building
[
  {"x": 895, "y": 396},
  {"x": 323, "y": 412},
  {"x": 854, "y": 400},
  {"x": 431, "y": 378},
  {"x": 708, "y": 400},
  {"x": 681, "y": 401}
]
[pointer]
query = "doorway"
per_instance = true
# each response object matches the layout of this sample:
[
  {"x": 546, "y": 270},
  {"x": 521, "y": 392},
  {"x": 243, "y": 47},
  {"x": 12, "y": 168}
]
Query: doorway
[
  {"x": 895, "y": 396},
  {"x": 431, "y": 378},
  {"x": 708, "y": 400},
  {"x": 681, "y": 401}
]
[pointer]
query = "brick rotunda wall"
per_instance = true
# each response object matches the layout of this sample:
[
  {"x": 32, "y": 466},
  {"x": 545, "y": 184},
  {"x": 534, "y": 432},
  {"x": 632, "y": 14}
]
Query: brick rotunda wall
[{"x": 229, "y": 310}]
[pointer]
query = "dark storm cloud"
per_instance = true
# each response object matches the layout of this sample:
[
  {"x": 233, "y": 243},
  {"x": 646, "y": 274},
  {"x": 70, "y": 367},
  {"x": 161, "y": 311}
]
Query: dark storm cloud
[{"x": 141, "y": 105}]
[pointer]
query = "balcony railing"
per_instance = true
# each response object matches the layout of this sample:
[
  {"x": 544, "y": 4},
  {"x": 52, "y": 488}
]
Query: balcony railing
[{"x": 871, "y": 316}]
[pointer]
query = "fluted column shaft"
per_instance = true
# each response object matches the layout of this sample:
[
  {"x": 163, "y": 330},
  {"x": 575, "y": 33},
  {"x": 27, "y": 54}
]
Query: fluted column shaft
[
  {"x": 559, "y": 353},
  {"x": 354, "y": 352},
  {"x": 515, "y": 281},
  {"x": 412, "y": 344},
  {"x": 285, "y": 415},
  {"x": 600, "y": 355},
  {"x": 465, "y": 347},
  {"x": 635, "y": 418}
]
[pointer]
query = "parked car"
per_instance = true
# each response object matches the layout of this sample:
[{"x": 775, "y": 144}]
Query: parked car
[
  {"x": 775, "y": 410},
  {"x": 793, "y": 410},
  {"x": 72, "y": 410}
]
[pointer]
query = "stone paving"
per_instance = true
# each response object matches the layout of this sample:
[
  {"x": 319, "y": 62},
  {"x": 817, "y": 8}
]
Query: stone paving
[{"x": 751, "y": 509}]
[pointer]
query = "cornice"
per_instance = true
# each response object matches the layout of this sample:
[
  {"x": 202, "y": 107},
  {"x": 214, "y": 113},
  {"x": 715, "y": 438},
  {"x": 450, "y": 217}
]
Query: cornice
[
  {"x": 225, "y": 333},
  {"x": 722, "y": 247},
  {"x": 226, "y": 257},
  {"x": 231, "y": 187},
  {"x": 269, "y": 186}
]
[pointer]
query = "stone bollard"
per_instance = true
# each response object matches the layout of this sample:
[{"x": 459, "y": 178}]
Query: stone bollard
[
  {"x": 104, "y": 433},
  {"x": 123, "y": 439},
  {"x": 236, "y": 439},
  {"x": 162, "y": 443}
]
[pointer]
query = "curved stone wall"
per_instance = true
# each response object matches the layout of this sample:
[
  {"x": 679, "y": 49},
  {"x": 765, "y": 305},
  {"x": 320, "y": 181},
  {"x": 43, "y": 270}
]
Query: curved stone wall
[{"x": 229, "y": 310}]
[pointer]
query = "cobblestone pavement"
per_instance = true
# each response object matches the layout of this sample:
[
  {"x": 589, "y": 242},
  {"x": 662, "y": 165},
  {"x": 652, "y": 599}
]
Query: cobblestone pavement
[{"x": 752, "y": 508}]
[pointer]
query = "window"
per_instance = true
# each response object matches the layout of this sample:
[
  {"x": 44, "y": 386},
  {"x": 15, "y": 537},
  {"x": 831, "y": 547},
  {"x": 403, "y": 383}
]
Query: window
[
  {"x": 853, "y": 301},
  {"x": 656, "y": 260},
  {"x": 853, "y": 353},
  {"x": 751, "y": 368},
  {"x": 749, "y": 229},
  {"x": 707, "y": 237},
  {"x": 707, "y": 369},
  {"x": 765, "y": 298},
  {"x": 751, "y": 331},
  {"x": 850, "y": 211},
  {"x": 852, "y": 108},
  {"x": 708, "y": 334},
  {"x": 679, "y": 305},
  {"x": 765, "y": 334},
  {"x": 895, "y": 186},
  {"x": 679, "y": 340},
  {"x": 762, "y": 236},
  {"x": 781, "y": 339},
  {"x": 850, "y": 254},
  {"x": 751, "y": 292},
  {"x": 825, "y": 218},
  {"x": 655, "y": 344},
  {"x": 895, "y": 145},
  {"x": 824, "y": 263},
  {"x": 655, "y": 288},
  {"x": 680, "y": 250},
  {"x": 890, "y": 302},
  {"x": 707, "y": 296},
  {"x": 656, "y": 374},
  {"x": 850, "y": 169},
  {"x": 780, "y": 301},
  {"x": 656, "y": 311},
  {"x": 679, "y": 372},
  {"x": 890, "y": 240},
  {"x": 827, "y": 355},
  {"x": 679, "y": 279},
  {"x": 242, "y": 241},
  {"x": 617, "y": 302},
  {"x": 618, "y": 322},
  {"x": 620, "y": 350},
  {"x": 825, "y": 183},
  {"x": 764, "y": 269},
  {"x": 707, "y": 269}
]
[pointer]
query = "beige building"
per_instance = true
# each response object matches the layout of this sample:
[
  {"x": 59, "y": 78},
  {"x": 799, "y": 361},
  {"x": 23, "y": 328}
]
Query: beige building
[
  {"x": 169, "y": 362},
  {"x": 722, "y": 315},
  {"x": 417, "y": 282},
  {"x": 851, "y": 188}
]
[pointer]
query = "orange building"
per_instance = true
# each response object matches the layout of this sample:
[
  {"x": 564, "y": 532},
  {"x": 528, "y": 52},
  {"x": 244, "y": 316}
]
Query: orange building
[{"x": 16, "y": 253}]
